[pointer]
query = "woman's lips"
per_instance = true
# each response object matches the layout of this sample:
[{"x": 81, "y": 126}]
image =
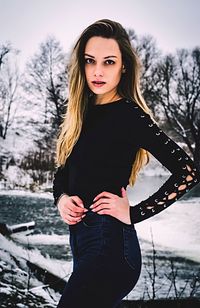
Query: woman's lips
[{"x": 98, "y": 84}]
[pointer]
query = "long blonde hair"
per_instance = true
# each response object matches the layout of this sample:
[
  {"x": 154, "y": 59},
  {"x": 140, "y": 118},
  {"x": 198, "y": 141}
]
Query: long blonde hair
[{"x": 79, "y": 93}]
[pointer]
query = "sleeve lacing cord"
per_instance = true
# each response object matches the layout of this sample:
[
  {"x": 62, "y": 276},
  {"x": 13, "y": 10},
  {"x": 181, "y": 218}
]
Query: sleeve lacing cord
[
  {"x": 173, "y": 195},
  {"x": 181, "y": 181}
]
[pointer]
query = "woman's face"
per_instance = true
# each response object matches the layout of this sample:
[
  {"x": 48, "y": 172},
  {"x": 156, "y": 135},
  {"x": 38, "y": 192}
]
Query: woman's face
[{"x": 103, "y": 67}]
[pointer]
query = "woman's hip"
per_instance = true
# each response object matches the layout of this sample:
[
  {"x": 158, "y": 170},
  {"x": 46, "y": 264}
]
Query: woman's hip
[{"x": 104, "y": 237}]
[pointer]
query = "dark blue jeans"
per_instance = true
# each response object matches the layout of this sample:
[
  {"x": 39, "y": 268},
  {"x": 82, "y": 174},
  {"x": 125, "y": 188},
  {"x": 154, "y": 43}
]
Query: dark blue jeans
[{"x": 106, "y": 263}]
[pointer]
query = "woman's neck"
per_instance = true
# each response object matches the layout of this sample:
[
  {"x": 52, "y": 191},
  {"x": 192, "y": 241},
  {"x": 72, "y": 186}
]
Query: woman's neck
[{"x": 106, "y": 99}]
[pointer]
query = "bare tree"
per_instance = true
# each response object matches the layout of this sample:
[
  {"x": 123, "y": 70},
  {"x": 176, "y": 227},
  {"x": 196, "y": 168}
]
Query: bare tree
[
  {"x": 179, "y": 94},
  {"x": 174, "y": 83},
  {"x": 46, "y": 79},
  {"x": 4, "y": 50},
  {"x": 9, "y": 84},
  {"x": 149, "y": 55}
]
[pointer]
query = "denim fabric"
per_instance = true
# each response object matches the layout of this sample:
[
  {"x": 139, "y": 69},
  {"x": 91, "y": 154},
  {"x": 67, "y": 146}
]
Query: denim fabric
[{"x": 106, "y": 263}]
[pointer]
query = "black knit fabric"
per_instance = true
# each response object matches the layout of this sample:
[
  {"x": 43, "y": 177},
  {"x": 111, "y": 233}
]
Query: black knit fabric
[{"x": 103, "y": 156}]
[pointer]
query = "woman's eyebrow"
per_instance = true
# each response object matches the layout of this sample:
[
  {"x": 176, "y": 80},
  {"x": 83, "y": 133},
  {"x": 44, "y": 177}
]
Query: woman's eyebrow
[{"x": 86, "y": 54}]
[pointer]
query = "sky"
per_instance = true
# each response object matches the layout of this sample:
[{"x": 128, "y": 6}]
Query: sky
[{"x": 26, "y": 23}]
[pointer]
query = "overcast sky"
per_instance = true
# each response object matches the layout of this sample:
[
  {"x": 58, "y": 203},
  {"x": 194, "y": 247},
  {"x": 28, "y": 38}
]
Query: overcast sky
[{"x": 26, "y": 23}]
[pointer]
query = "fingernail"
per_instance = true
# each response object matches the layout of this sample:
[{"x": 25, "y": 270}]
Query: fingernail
[
  {"x": 81, "y": 204},
  {"x": 85, "y": 210},
  {"x": 91, "y": 206},
  {"x": 94, "y": 199}
]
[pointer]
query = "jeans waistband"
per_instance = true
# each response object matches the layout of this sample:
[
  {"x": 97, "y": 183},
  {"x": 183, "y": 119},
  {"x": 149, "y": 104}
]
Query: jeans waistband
[{"x": 106, "y": 219}]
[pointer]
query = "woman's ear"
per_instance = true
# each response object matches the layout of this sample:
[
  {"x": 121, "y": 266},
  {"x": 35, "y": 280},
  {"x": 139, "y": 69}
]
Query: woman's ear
[{"x": 123, "y": 69}]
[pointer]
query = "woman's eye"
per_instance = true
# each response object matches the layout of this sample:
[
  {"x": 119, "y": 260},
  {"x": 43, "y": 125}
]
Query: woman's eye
[
  {"x": 110, "y": 62},
  {"x": 88, "y": 60},
  {"x": 91, "y": 61}
]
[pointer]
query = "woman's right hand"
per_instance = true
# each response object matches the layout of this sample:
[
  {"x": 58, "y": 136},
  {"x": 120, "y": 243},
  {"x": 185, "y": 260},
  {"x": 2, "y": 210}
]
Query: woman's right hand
[{"x": 71, "y": 209}]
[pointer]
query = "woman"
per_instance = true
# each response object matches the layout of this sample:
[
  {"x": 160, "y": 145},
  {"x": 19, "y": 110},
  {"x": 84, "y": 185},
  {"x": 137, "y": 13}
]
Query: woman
[{"x": 105, "y": 138}]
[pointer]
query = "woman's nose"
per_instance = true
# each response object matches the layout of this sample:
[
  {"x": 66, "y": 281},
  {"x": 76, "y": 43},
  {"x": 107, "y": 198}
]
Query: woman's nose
[{"x": 98, "y": 71}]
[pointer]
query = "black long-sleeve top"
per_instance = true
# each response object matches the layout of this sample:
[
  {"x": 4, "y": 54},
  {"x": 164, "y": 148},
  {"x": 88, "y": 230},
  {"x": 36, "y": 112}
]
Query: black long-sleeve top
[{"x": 103, "y": 156}]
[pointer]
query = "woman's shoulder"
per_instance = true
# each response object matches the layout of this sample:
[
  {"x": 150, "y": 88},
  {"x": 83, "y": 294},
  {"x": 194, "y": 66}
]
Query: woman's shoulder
[
  {"x": 134, "y": 108},
  {"x": 136, "y": 115},
  {"x": 133, "y": 105},
  {"x": 127, "y": 107}
]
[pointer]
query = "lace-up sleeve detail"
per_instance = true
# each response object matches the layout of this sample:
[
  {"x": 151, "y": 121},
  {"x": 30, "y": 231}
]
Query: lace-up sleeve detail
[
  {"x": 184, "y": 173},
  {"x": 60, "y": 182}
]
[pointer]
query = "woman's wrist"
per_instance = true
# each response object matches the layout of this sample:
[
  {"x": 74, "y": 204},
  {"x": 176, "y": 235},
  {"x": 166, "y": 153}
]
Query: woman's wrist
[{"x": 63, "y": 194}]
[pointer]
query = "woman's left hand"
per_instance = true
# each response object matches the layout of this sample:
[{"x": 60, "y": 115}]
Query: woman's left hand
[{"x": 111, "y": 204}]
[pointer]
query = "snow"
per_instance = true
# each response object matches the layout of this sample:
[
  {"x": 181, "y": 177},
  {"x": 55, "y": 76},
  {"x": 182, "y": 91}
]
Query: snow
[
  {"x": 42, "y": 239},
  {"x": 22, "y": 192},
  {"x": 175, "y": 230},
  {"x": 7, "y": 290},
  {"x": 56, "y": 267}
]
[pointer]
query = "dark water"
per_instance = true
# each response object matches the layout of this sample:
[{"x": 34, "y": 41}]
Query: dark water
[
  {"x": 24, "y": 207},
  {"x": 15, "y": 209},
  {"x": 18, "y": 208}
]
